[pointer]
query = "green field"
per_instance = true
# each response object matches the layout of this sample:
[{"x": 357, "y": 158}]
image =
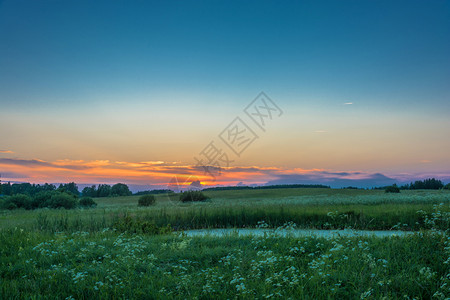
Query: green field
[
  {"x": 308, "y": 208},
  {"x": 119, "y": 250}
]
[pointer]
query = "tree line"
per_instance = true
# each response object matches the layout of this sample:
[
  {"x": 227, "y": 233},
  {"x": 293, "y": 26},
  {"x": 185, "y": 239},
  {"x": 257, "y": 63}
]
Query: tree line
[
  {"x": 427, "y": 184},
  {"x": 103, "y": 190},
  {"x": 262, "y": 187},
  {"x": 66, "y": 195},
  {"x": 8, "y": 189}
]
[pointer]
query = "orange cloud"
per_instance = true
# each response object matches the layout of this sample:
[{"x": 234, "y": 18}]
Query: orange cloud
[{"x": 163, "y": 174}]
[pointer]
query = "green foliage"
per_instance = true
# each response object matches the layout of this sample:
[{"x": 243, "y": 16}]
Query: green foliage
[
  {"x": 62, "y": 200},
  {"x": 146, "y": 200},
  {"x": 154, "y": 192},
  {"x": 104, "y": 190},
  {"x": 447, "y": 186},
  {"x": 22, "y": 188},
  {"x": 271, "y": 187},
  {"x": 120, "y": 189},
  {"x": 89, "y": 191},
  {"x": 42, "y": 198},
  {"x": 193, "y": 196},
  {"x": 50, "y": 199},
  {"x": 70, "y": 188},
  {"x": 18, "y": 201},
  {"x": 427, "y": 184},
  {"x": 7, "y": 189},
  {"x": 87, "y": 202},
  {"x": 392, "y": 189},
  {"x": 135, "y": 225}
]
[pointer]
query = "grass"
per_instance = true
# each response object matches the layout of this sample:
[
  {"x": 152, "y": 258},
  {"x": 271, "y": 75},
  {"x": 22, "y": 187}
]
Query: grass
[
  {"x": 112, "y": 252},
  {"x": 308, "y": 208},
  {"x": 111, "y": 265}
]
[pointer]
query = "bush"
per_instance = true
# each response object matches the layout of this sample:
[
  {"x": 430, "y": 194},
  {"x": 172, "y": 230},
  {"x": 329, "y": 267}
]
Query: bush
[
  {"x": 9, "y": 205},
  {"x": 18, "y": 201},
  {"x": 392, "y": 189},
  {"x": 133, "y": 225},
  {"x": 447, "y": 187},
  {"x": 42, "y": 198},
  {"x": 87, "y": 202},
  {"x": 193, "y": 196},
  {"x": 146, "y": 200},
  {"x": 62, "y": 200}
]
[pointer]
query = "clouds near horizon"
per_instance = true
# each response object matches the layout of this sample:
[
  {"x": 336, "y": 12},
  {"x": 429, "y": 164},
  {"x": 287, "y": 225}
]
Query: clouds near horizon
[{"x": 159, "y": 174}]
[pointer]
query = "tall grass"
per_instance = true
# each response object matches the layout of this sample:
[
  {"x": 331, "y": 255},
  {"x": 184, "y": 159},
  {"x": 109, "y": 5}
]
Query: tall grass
[{"x": 369, "y": 210}]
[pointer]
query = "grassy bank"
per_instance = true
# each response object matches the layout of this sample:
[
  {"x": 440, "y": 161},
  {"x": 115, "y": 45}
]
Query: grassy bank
[{"x": 111, "y": 265}]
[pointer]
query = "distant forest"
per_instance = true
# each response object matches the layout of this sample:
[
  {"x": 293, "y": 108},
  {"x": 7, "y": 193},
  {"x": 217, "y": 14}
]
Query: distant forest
[
  {"x": 262, "y": 187},
  {"x": 427, "y": 184},
  {"x": 121, "y": 189},
  {"x": 102, "y": 190}
]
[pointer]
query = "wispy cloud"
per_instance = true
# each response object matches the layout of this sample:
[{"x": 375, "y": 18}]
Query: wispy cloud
[
  {"x": 348, "y": 103},
  {"x": 6, "y": 151},
  {"x": 159, "y": 174}
]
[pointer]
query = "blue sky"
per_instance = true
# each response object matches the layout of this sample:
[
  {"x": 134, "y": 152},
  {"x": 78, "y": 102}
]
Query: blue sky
[
  {"x": 91, "y": 76},
  {"x": 57, "y": 51}
]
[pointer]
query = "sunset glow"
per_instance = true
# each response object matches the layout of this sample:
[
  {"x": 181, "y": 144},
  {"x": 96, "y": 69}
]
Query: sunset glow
[{"x": 129, "y": 95}]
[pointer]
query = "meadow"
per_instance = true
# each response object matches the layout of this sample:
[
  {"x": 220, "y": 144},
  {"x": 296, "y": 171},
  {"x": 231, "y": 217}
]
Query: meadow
[{"x": 119, "y": 250}]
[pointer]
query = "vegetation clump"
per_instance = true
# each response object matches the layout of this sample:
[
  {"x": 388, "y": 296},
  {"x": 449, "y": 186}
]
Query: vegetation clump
[
  {"x": 392, "y": 189},
  {"x": 87, "y": 202},
  {"x": 105, "y": 190},
  {"x": 146, "y": 200},
  {"x": 135, "y": 225},
  {"x": 62, "y": 200},
  {"x": 193, "y": 196},
  {"x": 17, "y": 201},
  {"x": 427, "y": 184}
]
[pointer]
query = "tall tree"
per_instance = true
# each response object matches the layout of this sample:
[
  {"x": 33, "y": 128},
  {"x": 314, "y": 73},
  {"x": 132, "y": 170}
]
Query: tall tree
[
  {"x": 89, "y": 191},
  {"x": 103, "y": 190},
  {"x": 120, "y": 189},
  {"x": 71, "y": 188}
]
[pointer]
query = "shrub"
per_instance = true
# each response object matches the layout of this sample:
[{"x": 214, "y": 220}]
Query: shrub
[
  {"x": 146, "y": 200},
  {"x": 193, "y": 196},
  {"x": 447, "y": 187},
  {"x": 134, "y": 225},
  {"x": 9, "y": 205},
  {"x": 18, "y": 201},
  {"x": 392, "y": 189},
  {"x": 42, "y": 198},
  {"x": 63, "y": 200},
  {"x": 87, "y": 202}
]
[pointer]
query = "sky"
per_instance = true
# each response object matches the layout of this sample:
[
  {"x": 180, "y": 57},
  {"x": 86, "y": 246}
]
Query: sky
[{"x": 354, "y": 92}]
